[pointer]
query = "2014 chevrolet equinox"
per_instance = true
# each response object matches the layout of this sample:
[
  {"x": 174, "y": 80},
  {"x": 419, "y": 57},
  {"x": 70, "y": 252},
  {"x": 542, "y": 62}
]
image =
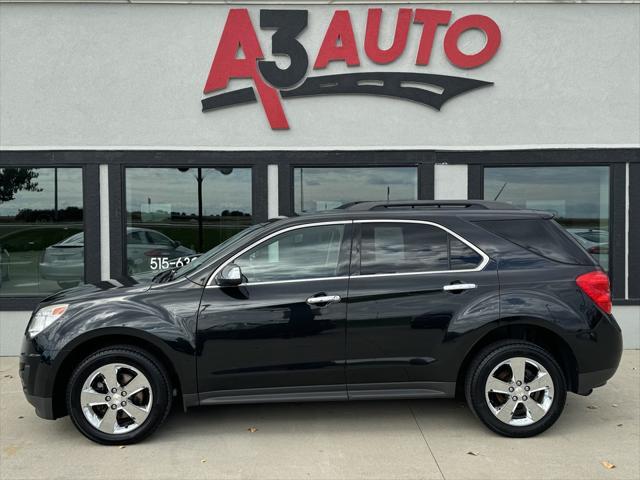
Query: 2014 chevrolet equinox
[{"x": 371, "y": 301}]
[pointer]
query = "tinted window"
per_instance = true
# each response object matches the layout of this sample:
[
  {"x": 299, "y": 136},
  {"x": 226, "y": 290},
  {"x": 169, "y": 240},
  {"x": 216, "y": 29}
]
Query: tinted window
[
  {"x": 41, "y": 220},
  {"x": 303, "y": 253},
  {"x": 402, "y": 247},
  {"x": 324, "y": 188},
  {"x": 577, "y": 196},
  {"x": 462, "y": 255},
  {"x": 197, "y": 207},
  {"x": 543, "y": 237}
]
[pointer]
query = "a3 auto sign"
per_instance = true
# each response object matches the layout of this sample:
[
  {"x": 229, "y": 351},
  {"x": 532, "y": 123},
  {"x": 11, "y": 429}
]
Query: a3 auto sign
[{"x": 239, "y": 54}]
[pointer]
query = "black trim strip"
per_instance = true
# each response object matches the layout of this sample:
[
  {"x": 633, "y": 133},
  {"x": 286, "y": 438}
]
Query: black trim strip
[
  {"x": 475, "y": 182},
  {"x": 634, "y": 232},
  {"x": 91, "y": 215},
  {"x": 617, "y": 223},
  {"x": 117, "y": 221}
]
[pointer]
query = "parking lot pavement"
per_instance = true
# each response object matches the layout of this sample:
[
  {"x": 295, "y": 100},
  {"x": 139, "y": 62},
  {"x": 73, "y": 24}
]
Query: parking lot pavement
[{"x": 373, "y": 440}]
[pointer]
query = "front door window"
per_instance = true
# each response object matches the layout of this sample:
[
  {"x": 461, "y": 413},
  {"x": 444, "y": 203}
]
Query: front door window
[{"x": 299, "y": 254}]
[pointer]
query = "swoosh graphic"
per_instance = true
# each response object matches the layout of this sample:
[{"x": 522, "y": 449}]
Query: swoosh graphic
[{"x": 425, "y": 88}]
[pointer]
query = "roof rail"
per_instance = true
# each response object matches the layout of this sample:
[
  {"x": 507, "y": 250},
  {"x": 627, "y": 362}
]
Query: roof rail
[{"x": 426, "y": 204}]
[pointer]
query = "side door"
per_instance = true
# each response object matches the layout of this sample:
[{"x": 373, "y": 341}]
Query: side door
[
  {"x": 280, "y": 334},
  {"x": 415, "y": 287}
]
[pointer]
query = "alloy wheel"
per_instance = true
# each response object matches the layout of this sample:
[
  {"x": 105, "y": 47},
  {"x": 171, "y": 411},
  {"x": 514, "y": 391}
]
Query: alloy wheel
[
  {"x": 116, "y": 398},
  {"x": 519, "y": 391}
]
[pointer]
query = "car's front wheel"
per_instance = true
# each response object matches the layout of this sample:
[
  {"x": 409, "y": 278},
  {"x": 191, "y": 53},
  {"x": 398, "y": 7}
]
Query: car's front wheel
[
  {"x": 516, "y": 388},
  {"x": 118, "y": 395}
]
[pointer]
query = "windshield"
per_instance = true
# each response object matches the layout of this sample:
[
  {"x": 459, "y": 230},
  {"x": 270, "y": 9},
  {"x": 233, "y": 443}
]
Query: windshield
[{"x": 207, "y": 256}]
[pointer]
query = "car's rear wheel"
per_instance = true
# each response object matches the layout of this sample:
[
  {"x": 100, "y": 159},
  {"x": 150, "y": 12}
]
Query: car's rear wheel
[
  {"x": 118, "y": 395},
  {"x": 516, "y": 388}
]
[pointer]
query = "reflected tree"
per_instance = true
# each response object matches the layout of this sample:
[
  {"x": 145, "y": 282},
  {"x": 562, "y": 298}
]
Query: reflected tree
[{"x": 14, "y": 180}]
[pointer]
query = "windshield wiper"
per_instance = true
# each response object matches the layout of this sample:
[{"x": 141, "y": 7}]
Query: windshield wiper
[{"x": 164, "y": 276}]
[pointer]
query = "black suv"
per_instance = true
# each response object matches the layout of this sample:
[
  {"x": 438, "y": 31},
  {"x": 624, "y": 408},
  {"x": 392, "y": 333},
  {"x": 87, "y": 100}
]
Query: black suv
[{"x": 370, "y": 301}]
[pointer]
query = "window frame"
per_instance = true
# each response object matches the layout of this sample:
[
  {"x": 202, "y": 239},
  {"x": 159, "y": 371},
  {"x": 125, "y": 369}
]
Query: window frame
[
  {"x": 624, "y": 163},
  {"x": 118, "y": 194},
  {"x": 623, "y": 270},
  {"x": 356, "y": 262},
  {"x": 421, "y": 171},
  {"x": 617, "y": 222},
  {"x": 90, "y": 216},
  {"x": 422, "y": 160}
]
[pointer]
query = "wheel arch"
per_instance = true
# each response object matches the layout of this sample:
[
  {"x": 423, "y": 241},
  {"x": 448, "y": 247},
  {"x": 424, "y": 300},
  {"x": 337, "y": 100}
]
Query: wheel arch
[
  {"x": 539, "y": 335},
  {"x": 87, "y": 345}
]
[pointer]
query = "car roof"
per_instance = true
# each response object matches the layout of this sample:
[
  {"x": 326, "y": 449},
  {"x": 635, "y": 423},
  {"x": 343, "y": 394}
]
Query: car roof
[{"x": 425, "y": 214}]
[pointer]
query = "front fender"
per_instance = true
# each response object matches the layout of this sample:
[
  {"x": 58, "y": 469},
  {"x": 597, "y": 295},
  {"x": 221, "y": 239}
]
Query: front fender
[{"x": 164, "y": 322}]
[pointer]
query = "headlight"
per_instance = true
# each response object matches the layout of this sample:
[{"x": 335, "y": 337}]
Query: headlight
[{"x": 45, "y": 317}]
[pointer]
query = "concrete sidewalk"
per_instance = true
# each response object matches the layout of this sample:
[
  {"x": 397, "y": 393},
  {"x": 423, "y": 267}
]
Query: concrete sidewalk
[{"x": 373, "y": 440}]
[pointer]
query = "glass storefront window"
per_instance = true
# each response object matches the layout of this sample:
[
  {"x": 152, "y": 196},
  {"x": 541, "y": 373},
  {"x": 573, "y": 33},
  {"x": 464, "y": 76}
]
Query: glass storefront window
[
  {"x": 174, "y": 214},
  {"x": 41, "y": 230},
  {"x": 323, "y": 188},
  {"x": 578, "y": 196}
]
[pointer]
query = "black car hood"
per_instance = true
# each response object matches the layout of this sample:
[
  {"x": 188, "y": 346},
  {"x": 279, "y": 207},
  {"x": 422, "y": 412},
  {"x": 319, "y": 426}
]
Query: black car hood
[{"x": 138, "y": 283}]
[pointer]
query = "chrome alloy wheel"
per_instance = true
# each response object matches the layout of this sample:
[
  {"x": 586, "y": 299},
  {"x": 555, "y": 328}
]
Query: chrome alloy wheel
[
  {"x": 519, "y": 391},
  {"x": 116, "y": 398}
]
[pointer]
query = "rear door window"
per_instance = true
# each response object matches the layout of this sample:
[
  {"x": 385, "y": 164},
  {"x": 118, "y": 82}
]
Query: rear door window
[{"x": 393, "y": 247}]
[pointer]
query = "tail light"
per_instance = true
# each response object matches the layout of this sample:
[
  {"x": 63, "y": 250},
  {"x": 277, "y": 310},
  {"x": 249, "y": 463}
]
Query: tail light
[{"x": 596, "y": 286}]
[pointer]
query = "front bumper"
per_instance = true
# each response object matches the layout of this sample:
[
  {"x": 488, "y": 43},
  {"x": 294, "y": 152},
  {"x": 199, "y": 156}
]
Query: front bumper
[{"x": 37, "y": 377}]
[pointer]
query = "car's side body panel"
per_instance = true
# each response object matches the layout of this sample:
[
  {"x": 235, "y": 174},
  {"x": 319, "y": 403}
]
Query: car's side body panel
[{"x": 391, "y": 336}]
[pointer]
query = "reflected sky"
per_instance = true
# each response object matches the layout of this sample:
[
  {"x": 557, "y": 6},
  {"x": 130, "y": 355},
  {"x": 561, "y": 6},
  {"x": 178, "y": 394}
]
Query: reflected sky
[
  {"x": 69, "y": 192},
  {"x": 329, "y": 187},
  {"x": 569, "y": 192},
  {"x": 177, "y": 189}
]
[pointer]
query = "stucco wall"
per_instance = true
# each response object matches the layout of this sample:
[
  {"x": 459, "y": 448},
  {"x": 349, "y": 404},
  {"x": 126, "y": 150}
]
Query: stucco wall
[{"x": 118, "y": 75}]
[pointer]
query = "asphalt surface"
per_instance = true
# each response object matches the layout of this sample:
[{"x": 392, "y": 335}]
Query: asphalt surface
[{"x": 430, "y": 439}]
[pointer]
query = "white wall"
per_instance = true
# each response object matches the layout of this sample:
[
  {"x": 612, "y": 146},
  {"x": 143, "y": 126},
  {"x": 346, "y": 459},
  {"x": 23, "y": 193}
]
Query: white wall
[
  {"x": 450, "y": 182},
  {"x": 629, "y": 319},
  {"x": 119, "y": 75},
  {"x": 12, "y": 327}
]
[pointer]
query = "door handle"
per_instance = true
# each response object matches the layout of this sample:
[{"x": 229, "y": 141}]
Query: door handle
[
  {"x": 456, "y": 287},
  {"x": 324, "y": 299}
]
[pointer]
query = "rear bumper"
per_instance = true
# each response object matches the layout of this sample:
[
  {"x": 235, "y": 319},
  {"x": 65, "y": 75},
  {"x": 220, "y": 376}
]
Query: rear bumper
[
  {"x": 589, "y": 381},
  {"x": 599, "y": 356}
]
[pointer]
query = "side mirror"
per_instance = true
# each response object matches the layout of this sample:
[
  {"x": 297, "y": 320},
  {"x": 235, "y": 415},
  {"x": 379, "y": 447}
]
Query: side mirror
[{"x": 229, "y": 276}]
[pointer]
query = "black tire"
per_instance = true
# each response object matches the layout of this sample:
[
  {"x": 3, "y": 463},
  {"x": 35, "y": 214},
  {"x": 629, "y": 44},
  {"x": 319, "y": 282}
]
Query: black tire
[
  {"x": 141, "y": 360},
  {"x": 493, "y": 356}
]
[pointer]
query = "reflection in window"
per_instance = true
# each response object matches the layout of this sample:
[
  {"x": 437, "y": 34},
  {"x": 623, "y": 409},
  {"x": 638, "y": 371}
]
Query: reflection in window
[
  {"x": 176, "y": 213},
  {"x": 311, "y": 252},
  {"x": 578, "y": 196},
  {"x": 403, "y": 248},
  {"x": 41, "y": 223},
  {"x": 323, "y": 188}
]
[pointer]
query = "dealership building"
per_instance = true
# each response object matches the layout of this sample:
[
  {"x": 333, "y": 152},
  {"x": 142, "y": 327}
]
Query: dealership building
[{"x": 136, "y": 134}]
